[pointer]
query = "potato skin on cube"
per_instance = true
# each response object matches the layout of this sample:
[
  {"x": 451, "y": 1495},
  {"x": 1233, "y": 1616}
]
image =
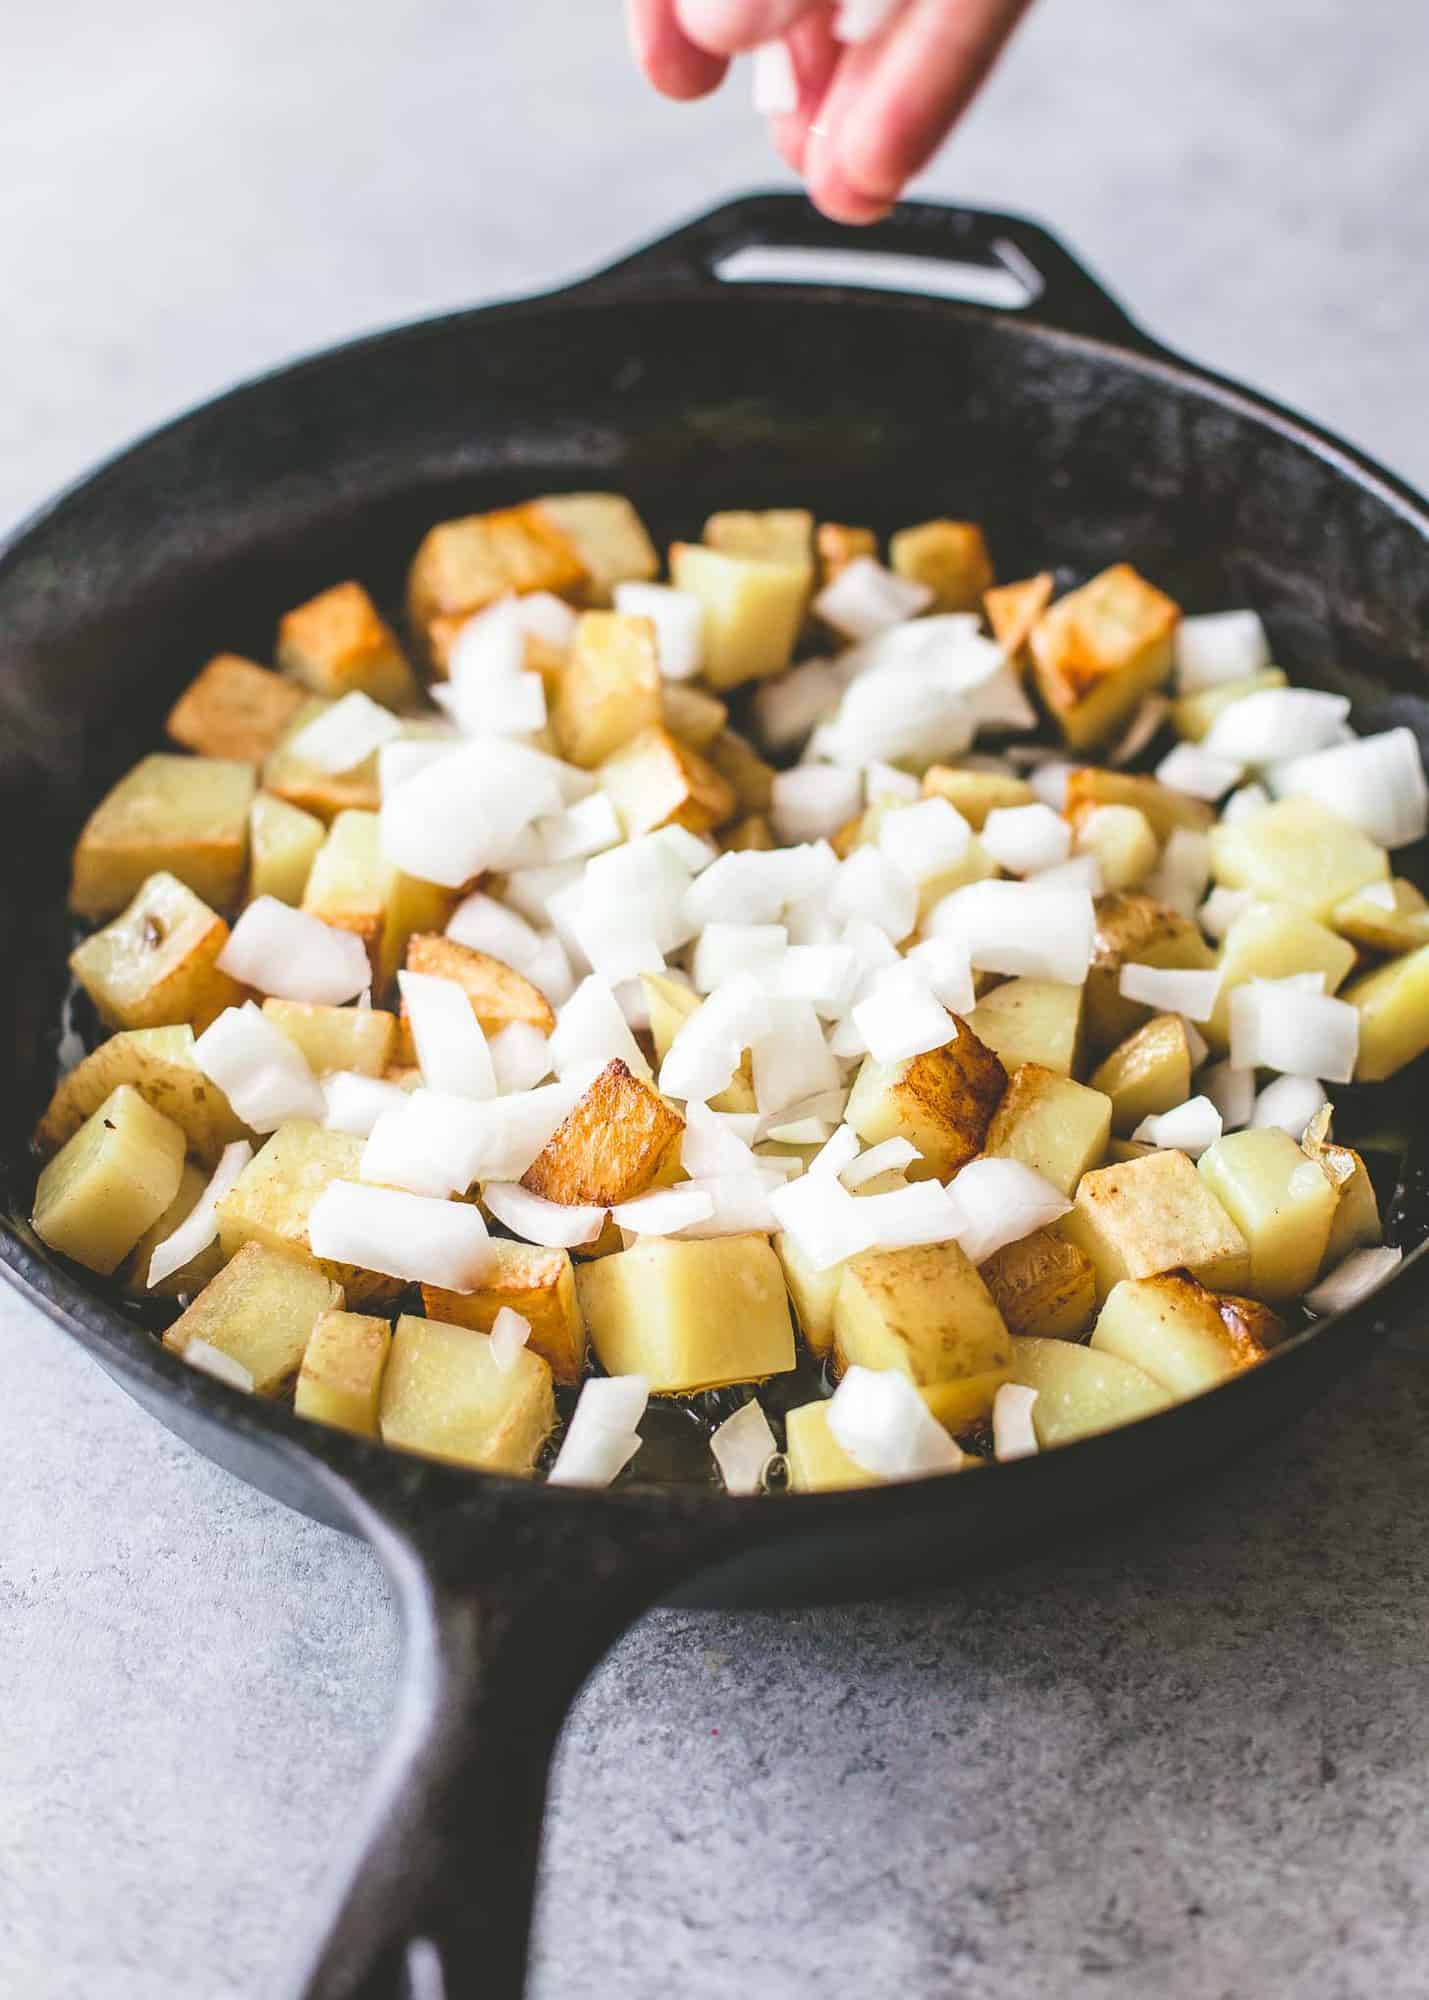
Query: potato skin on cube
[
  {"x": 949, "y": 557},
  {"x": 159, "y": 1063},
  {"x": 616, "y": 1143},
  {"x": 610, "y": 690},
  {"x": 608, "y": 537},
  {"x": 1357, "y": 1224},
  {"x": 464, "y": 565},
  {"x": 1082, "y": 1391},
  {"x": 1042, "y": 1285},
  {"x": 689, "y": 1315},
  {"x": 283, "y": 843},
  {"x": 1373, "y": 928},
  {"x": 1151, "y": 1215},
  {"x": 817, "y": 1462},
  {"x": 498, "y": 993},
  {"x": 1031, "y": 1021},
  {"x": 1174, "y": 1330},
  {"x": 1148, "y": 1073},
  {"x": 184, "y": 816},
  {"x": 942, "y": 1102},
  {"x": 1299, "y": 852},
  {"x": 340, "y": 1381},
  {"x": 1013, "y": 609},
  {"x": 1056, "y": 1127},
  {"x": 110, "y": 1182},
  {"x": 1134, "y": 929},
  {"x": 836, "y": 546},
  {"x": 323, "y": 794},
  {"x": 1393, "y": 1006},
  {"x": 1165, "y": 811},
  {"x": 1282, "y": 1202},
  {"x": 260, "y": 1311},
  {"x": 540, "y": 1285},
  {"x": 355, "y": 1038},
  {"x": 155, "y": 965},
  {"x": 338, "y": 643},
  {"x": 743, "y": 770},
  {"x": 273, "y": 1197},
  {"x": 926, "y": 1312},
  {"x": 752, "y": 610},
  {"x": 1098, "y": 650},
  {"x": 976, "y": 793},
  {"x": 234, "y": 709}
]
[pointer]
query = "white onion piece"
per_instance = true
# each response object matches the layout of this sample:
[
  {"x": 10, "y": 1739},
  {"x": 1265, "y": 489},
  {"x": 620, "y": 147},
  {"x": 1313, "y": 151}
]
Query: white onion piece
[
  {"x": 1141, "y": 731},
  {"x": 592, "y": 1031},
  {"x": 888, "y": 1157},
  {"x": 901, "y": 1017},
  {"x": 826, "y": 1104},
  {"x": 549, "y": 970},
  {"x": 813, "y": 801},
  {"x": 1171, "y": 989},
  {"x": 492, "y": 644},
  {"x": 530, "y": 890},
  {"x": 1377, "y": 784},
  {"x": 742, "y": 1448},
  {"x": 509, "y": 1334},
  {"x": 824, "y": 1219},
  {"x": 865, "y": 599},
  {"x": 294, "y": 956},
  {"x": 711, "y": 1146},
  {"x": 614, "y": 935},
  {"x": 1277, "y": 1024},
  {"x": 868, "y": 888},
  {"x": 601, "y": 1438},
  {"x": 588, "y": 827},
  {"x": 944, "y": 965},
  {"x": 923, "y": 1212},
  {"x": 1183, "y": 873},
  {"x": 880, "y": 1420},
  {"x": 1198, "y": 771},
  {"x": 1220, "y": 646},
  {"x": 1021, "y": 928},
  {"x": 1220, "y": 910},
  {"x": 861, "y": 20},
  {"x": 1244, "y": 804},
  {"x": 899, "y": 711},
  {"x": 1232, "y": 1091},
  {"x": 1012, "y": 1434},
  {"x": 839, "y": 1152},
  {"x": 709, "y": 1047},
  {"x": 512, "y": 705},
  {"x": 791, "y": 1060},
  {"x": 406, "y": 757},
  {"x": 678, "y": 618},
  {"x": 754, "y": 887},
  {"x": 1049, "y": 781},
  {"x": 520, "y": 1056},
  {"x": 1002, "y": 1201},
  {"x": 1289, "y": 1103},
  {"x": 1380, "y": 894},
  {"x": 925, "y": 840},
  {"x": 1361, "y": 1273},
  {"x": 554, "y": 1225},
  {"x": 823, "y": 974},
  {"x": 1083, "y": 871},
  {"x": 1189, "y": 1128},
  {"x": 1000, "y": 702},
  {"x": 885, "y": 784},
  {"x": 407, "y": 1236},
  {"x": 789, "y": 706},
  {"x": 1197, "y": 1045},
  {"x": 483, "y": 924},
  {"x": 775, "y": 81},
  {"x": 431, "y": 1144},
  {"x": 1026, "y": 839},
  {"x": 665, "y": 1212},
  {"x": 211, "y": 1360},
  {"x": 741, "y": 1203},
  {"x": 200, "y": 1226},
  {"x": 264, "y": 1076},
  {"x": 345, "y": 735},
  {"x": 354, "y": 1103},
  {"x": 727, "y": 949},
  {"x": 458, "y": 817},
  {"x": 451, "y": 1048},
  {"x": 652, "y": 874},
  {"x": 1274, "y": 723}
]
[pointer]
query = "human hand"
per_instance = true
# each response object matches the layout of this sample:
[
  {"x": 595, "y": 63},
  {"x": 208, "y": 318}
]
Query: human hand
[{"x": 869, "y": 114}]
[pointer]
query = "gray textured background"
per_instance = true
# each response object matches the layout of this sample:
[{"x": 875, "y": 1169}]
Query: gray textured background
[{"x": 1191, "y": 1759}]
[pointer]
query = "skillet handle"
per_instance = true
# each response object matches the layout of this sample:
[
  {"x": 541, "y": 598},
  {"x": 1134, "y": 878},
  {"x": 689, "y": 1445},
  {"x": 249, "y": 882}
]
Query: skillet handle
[
  {"x": 1007, "y": 263},
  {"x": 505, "y": 1609}
]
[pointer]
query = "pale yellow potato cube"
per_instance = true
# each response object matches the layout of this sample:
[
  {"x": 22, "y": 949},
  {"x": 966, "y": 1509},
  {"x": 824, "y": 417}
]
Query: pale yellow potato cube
[
  {"x": 1165, "y": 810},
  {"x": 159, "y": 1063},
  {"x": 155, "y": 966},
  {"x": 942, "y": 1102},
  {"x": 1393, "y": 1006},
  {"x": 655, "y": 780},
  {"x": 1368, "y": 924},
  {"x": 234, "y": 709},
  {"x": 689, "y": 1315},
  {"x": 1193, "y": 716},
  {"x": 1081, "y": 1391},
  {"x": 338, "y": 643},
  {"x": 1155, "y": 1214},
  {"x": 1013, "y": 609},
  {"x": 775, "y": 534},
  {"x": 184, "y": 816},
  {"x": 743, "y": 769},
  {"x": 1098, "y": 650},
  {"x": 464, "y": 565},
  {"x": 608, "y": 537},
  {"x": 1148, "y": 1073},
  {"x": 189, "y": 1278},
  {"x": 1122, "y": 841},
  {"x": 540, "y": 1285},
  {"x": 355, "y": 888},
  {"x": 1273, "y": 941},
  {"x": 1134, "y": 929},
  {"x": 340, "y": 1381},
  {"x": 283, "y": 843},
  {"x": 671, "y": 1005},
  {"x": 949, "y": 557},
  {"x": 610, "y": 690},
  {"x": 444, "y": 1396},
  {"x": 926, "y": 1313},
  {"x": 1042, "y": 1285},
  {"x": 1174, "y": 1330},
  {"x": 751, "y": 832},
  {"x": 498, "y": 993},
  {"x": 1031, "y": 1021},
  {"x": 813, "y": 1292},
  {"x": 355, "y": 1038},
  {"x": 976, "y": 793},
  {"x": 274, "y": 1195},
  {"x": 260, "y": 1310},
  {"x": 1297, "y": 851},
  {"x": 620, "y": 1140},
  {"x": 110, "y": 1182},
  {"x": 1056, "y": 1127},
  {"x": 817, "y": 1462},
  {"x": 691, "y": 714},
  {"x": 1282, "y": 1202},
  {"x": 752, "y": 610}
]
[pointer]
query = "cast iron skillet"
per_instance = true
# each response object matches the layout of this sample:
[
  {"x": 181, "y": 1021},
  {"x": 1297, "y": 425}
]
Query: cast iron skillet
[{"x": 1062, "y": 427}]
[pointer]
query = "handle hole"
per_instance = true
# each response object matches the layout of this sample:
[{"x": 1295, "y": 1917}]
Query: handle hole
[{"x": 1010, "y": 282}]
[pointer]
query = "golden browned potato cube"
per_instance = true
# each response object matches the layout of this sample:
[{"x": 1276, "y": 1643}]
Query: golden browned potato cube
[
  {"x": 751, "y": 832},
  {"x": 1393, "y": 1006},
  {"x": 260, "y": 1310},
  {"x": 323, "y": 794},
  {"x": 1193, "y": 716},
  {"x": 1165, "y": 810},
  {"x": 1282, "y": 1202},
  {"x": 234, "y": 709},
  {"x": 655, "y": 780},
  {"x": 156, "y": 965},
  {"x": 1273, "y": 941},
  {"x": 1297, "y": 851},
  {"x": 538, "y": 1284},
  {"x": 1148, "y": 1073},
  {"x": 498, "y": 993},
  {"x": 182, "y": 816},
  {"x": 927, "y": 1313},
  {"x": 610, "y": 690},
  {"x": 950, "y": 557},
  {"x": 942, "y": 1102},
  {"x": 189, "y": 1278},
  {"x": 1122, "y": 840},
  {"x": 1251, "y": 1323},
  {"x": 283, "y": 843},
  {"x": 817, "y": 1462},
  {"x": 812, "y": 1291},
  {"x": 775, "y": 534},
  {"x": 274, "y": 1195},
  {"x": 355, "y": 1038},
  {"x": 462, "y": 566},
  {"x": 976, "y": 793},
  {"x": 1013, "y": 609},
  {"x": 1134, "y": 929},
  {"x": 1031, "y": 1021},
  {"x": 340, "y": 1381},
  {"x": 1156, "y": 1214},
  {"x": 1081, "y": 1391},
  {"x": 691, "y": 714},
  {"x": 752, "y": 610},
  {"x": 1366, "y": 922},
  {"x": 836, "y": 546},
  {"x": 689, "y": 1316},
  {"x": 1098, "y": 650},
  {"x": 1056, "y": 1127},
  {"x": 444, "y": 1396},
  {"x": 743, "y": 769},
  {"x": 1173, "y": 1330},
  {"x": 338, "y": 643},
  {"x": 620, "y": 1140},
  {"x": 110, "y": 1182},
  {"x": 1042, "y": 1285},
  {"x": 159, "y": 1064},
  {"x": 608, "y": 537}
]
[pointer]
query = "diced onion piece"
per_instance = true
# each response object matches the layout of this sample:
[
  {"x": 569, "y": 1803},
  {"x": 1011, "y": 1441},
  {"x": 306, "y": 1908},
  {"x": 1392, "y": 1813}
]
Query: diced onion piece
[
  {"x": 824, "y": 1219},
  {"x": 1220, "y": 910},
  {"x": 1026, "y": 839},
  {"x": 531, "y": 890},
  {"x": 791, "y": 1060},
  {"x": 614, "y": 934},
  {"x": 823, "y": 974},
  {"x": 1083, "y": 871},
  {"x": 678, "y": 618},
  {"x": 1197, "y": 1045},
  {"x": 294, "y": 956},
  {"x": 1244, "y": 804},
  {"x": 345, "y": 735},
  {"x": 588, "y": 827},
  {"x": 200, "y": 1226},
  {"x": 406, "y": 757},
  {"x": 520, "y": 1056},
  {"x": 1141, "y": 730},
  {"x": 665, "y": 1212},
  {"x": 885, "y": 783},
  {"x": 492, "y": 644},
  {"x": 880, "y": 1420},
  {"x": 354, "y": 1103},
  {"x": 211, "y": 1360},
  {"x": 1289, "y": 1103},
  {"x": 888, "y": 1157},
  {"x": 861, "y": 20},
  {"x": 711, "y": 1146},
  {"x": 925, "y": 840},
  {"x": 801, "y": 1132},
  {"x": 788, "y": 707},
  {"x": 432, "y": 1144},
  {"x": 1183, "y": 873},
  {"x": 814, "y": 800},
  {"x": 1277, "y": 1024},
  {"x": 1361, "y": 1273},
  {"x": 945, "y": 967},
  {"x": 741, "y": 1203},
  {"x": 756, "y": 888},
  {"x": 709, "y": 1047},
  {"x": 1012, "y": 1432},
  {"x": 839, "y": 1152},
  {"x": 775, "y": 81},
  {"x": 1221, "y": 646},
  {"x": 1002, "y": 1201},
  {"x": 1198, "y": 771},
  {"x": 601, "y": 1437},
  {"x": 870, "y": 889},
  {"x": 901, "y": 1017},
  {"x": 865, "y": 599},
  {"x": 1021, "y": 928},
  {"x": 459, "y": 816},
  {"x": 1377, "y": 784},
  {"x": 923, "y": 1212},
  {"x": 742, "y": 1448},
  {"x": 727, "y": 949},
  {"x": 1275, "y": 723},
  {"x": 549, "y": 970},
  {"x": 451, "y": 1047},
  {"x": 1380, "y": 894},
  {"x": 1232, "y": 1091},
  {"x": 1188, "y": 1128},
  {"x": 509, "y": 1334},
  {"x": 1171, "y": 990},
  {"x": 263, "y": 1075},
  {"x": 508, "y": 705},
  {"x": 483, "y": 924},
  {"x": 407, "y": 1236},
  {"x": 1048, "y": 780},
  {"x": 554, "y": 1225},
  {"x": 592, "y": 1031}
]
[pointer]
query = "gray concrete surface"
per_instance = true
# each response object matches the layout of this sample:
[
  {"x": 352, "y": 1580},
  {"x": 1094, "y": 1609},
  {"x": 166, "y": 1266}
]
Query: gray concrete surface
[{"x": 1190, "y": 1759}]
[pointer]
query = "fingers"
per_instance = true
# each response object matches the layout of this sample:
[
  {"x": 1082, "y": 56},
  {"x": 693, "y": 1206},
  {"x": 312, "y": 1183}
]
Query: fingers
[
  {"x": 815, "y": 55},
  {"x": 728, "y": 26},
  {"x": 672, "y": 62}
]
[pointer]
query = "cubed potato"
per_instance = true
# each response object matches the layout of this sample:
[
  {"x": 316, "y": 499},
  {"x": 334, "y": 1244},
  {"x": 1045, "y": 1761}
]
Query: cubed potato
[
  {"x": 813, "y": 1292},
  {"x": 1368, "y": 924},
  {"x": 1031, "y": 1021},
  {"x": 927, "y": 1313},
  {"x": 354, "y": 887},
  {"x": 274, "y": 1195},
  {"x": 1299, "y": 852},
  {"x": 110, "y": 1182},
  {"x": 1042, "y": 1285},
  {"x": 1173, "y": 1330},
  {"x": 190, "y": 1278},
  {"x": 234, "y": 709},
  {"x": 538, "y": 1284},
  {"x": 156, "y": 964},
  {"x": 159, "y": 1064},
  {"x": 608, "y": 537},
  {"x": 836, "y": 546},
  {"x": 260, "y": 1310},
  {"x": 743, "y": 769},
  {"x": 751, "y": 832},
  {"x": 1393, "y": 1006},
  {"x": 1148, "y": 1073},
  {"x": 689, "y": 1316},
  {"x": 1134, "y": 929},
  {"x": 1165, "y": 811},
  {"x": 1251, "y": 1323},
  {"x": 283, "y": 843},
  {"x": 181, "y": 816},
  {"x": 498, "y": 993},
  {"x": 943, "y": 1102},
  {"x": 610, "y": 691},
  {"x": 976, "y": 793},
  {"x": 322, "y": 794},
  {"x": 655, "y": 780},
  {"x": 462, "y": 566},
  {"x": 1272, "y": 941},
  {"x": 752, "y": 610},
  {"x": 670, "y": 1005},
  {"x": 1356, "y": 1224},
  {"x": 1013, "y": 609},
  {"x": 817, "y": 1462},
  {"x": 1122, "y": 1150},
  {"x": 1282, "y": 1203},
  {"x": 620, "y": 1140},
  {"x": 1193, "y": 716},
  {"x": 950, "y": 557},
  {"x": 338, "y": 643},
  {"x": 445, "y": 1396},
  {"x": 355, "y": 1038},
  {"x": 1098, "y": 650},
  {"x": 691, "y": 714},
  {"x": 1056, "y": 1127},
  {"x": 1151, "y": 1215},
  {"x": 340, "y": 1381},
  {"x": 1123, "y": 842},
  {"x": 1081, "y": 1391},
  {"x": 775, "y": 534}
]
